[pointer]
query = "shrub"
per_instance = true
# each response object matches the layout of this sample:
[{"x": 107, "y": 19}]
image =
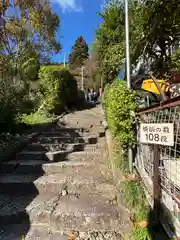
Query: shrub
[
  {"x": 51, "y": 88},
  {"x": 35, "y": 118},
  {"x": 119, "y": 105},
  {"x": 81, "y": 98},
  {"x": 59, "y": 89},
  {"x": 7, "y": 116},
  {"x": 10, "y": 101},
  {"x": 69, "y": 88}
]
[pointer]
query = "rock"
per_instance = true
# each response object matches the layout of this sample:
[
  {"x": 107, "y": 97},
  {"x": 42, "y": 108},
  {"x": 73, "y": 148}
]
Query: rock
[
  {"x": 64, "y": 192},
  {"x": 82, "y": 235}
]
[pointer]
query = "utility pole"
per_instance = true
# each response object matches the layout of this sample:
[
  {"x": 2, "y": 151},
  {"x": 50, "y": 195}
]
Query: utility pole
[
  {"x": 128, "y": 68},
  {"x": 82, "y": 78},
  {"x": 128, "y": 71}
]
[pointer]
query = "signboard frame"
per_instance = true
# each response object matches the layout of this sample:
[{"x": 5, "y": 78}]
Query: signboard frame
[{"x": 157, "y": 133}]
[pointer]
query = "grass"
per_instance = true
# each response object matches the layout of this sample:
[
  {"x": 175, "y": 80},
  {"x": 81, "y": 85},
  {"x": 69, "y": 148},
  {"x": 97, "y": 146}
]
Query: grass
[
  {"x": 23, "y": 121},
  {"x": 135, "y": 200}
]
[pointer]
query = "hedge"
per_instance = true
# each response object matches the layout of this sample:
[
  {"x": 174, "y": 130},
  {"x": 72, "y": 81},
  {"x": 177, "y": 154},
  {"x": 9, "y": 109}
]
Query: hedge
[
  {"x": 120, "y": 107},
  {"x": 59, "y": 89}
]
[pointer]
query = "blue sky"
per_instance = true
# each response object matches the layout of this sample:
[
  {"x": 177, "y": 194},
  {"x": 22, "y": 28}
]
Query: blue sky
[{"x": 78, "y": 17}]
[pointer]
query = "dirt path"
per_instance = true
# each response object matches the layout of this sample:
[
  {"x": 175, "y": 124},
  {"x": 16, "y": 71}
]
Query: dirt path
[{"x": 60, "y": 187}]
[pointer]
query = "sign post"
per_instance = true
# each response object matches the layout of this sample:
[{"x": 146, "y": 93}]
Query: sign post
[{"x": 157, "y": 134}]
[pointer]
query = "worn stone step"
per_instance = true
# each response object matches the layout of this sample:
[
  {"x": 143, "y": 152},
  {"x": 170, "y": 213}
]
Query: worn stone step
[
  {"x": 32, "y": 155},
  {"x": 68, "y": 129},
  {"x": 66, "y": 155},
  {"x": 91, "y": 139},
  {"x": 97, "y": 156},
  {"x": 60, "y": 146},
  {"x": 40, "y": 167},
  {"x": 62, "y": 134},
  {"x": 75, "y": 180},
  {"x": 42, "y": 232},
  {"x": 74, "y": 159},
  {"x": 78, "y": 120},
  {"x": 83, "y": 212},
  {"x": 26, "y": 231},
  {"x": 98, "y": 133},
  {"x": 56, "y": 153}
]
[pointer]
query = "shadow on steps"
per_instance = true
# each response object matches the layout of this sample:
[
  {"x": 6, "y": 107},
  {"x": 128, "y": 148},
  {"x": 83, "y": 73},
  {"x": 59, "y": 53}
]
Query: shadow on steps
[{"x": 17, "y": 188}]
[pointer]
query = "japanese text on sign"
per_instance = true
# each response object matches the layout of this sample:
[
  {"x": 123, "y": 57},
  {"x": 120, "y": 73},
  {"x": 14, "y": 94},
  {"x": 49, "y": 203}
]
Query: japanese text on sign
[{"x": 157, "y": 133}]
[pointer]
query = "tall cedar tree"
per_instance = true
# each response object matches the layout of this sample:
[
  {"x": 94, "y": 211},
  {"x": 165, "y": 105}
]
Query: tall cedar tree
[{"x": 79, "y": 53}]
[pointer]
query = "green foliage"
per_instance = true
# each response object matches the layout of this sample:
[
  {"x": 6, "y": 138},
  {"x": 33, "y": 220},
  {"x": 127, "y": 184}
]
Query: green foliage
[
  {"x": 27, "y": 36},
  {"x": 113, "y": 60},
  {"x": 154, "y": 28},
  {"x": 108, "y": 48},
  {"x": 7, "y": 115},
  {"x": 55, "y": 66},
  {"x": 79, "y": 53},
  {"x": 69, "y": 88},
  {"x": 175, "y": 62},
  {"x": 120, "y": 108},
  {"x": 59, "y": 89},
  {"x": 10, "y": 104},
  {"x": 81, "y": 98},
  {"x": 51, "y": 86},
  {"x": 35, "y": 118}
]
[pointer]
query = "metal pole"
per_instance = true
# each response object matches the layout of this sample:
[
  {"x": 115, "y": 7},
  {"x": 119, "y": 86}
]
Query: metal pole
[
  {"x": 128, "y": 69},
  {"x": 156, "y": 186},
  {"x": 128, "y": 72}
]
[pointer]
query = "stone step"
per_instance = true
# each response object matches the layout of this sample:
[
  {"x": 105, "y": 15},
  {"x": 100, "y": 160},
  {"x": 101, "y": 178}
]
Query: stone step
[
  {"x": 42, "y": 232},
  {"x": 99, "y": 133},
  {"x": 36, "y": 147},
  {"x": 56, "y": 153},
  {"x": 66, "y": 155},
  {"x": 74, "y": 180},
  {"x": 83, "y": 212},
  {"x": 67, "y": 129},
  {"x": 40, "y": 167},
  {"x": 85, "y": 124},
  {"x": 26, "y": 231},
  {"x": 32, "y": 155},
  {"x": 71, "y": 133},
  {"x": 68, "y": 139},
  {"x": 71, "y": 160}
]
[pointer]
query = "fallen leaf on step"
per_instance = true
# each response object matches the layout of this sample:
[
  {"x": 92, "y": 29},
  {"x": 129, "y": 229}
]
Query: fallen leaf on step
[
  {"x": 73, "y": 235},
  {"x": 142, "y": 224},
  {"x": 132, "y": 177}
]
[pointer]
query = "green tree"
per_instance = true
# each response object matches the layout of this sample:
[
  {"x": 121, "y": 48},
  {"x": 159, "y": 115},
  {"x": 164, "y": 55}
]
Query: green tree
[
  {"x": 154, "y": 28},
  {"x": 161, "y": 28},
  {"x": 27, "y": 39},
  {"x": 79, "y": 53}
]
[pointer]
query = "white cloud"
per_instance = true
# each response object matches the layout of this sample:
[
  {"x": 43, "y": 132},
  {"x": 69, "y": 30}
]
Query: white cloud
[{"x": 68, "y": 5}]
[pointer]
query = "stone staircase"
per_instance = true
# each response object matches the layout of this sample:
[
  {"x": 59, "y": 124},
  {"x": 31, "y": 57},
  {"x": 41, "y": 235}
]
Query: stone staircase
[{"x": 60, "y": 186}]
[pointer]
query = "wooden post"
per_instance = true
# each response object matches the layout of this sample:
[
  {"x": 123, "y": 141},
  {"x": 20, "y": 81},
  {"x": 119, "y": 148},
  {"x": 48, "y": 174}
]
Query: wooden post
[{"x": 156, "y": 185}]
